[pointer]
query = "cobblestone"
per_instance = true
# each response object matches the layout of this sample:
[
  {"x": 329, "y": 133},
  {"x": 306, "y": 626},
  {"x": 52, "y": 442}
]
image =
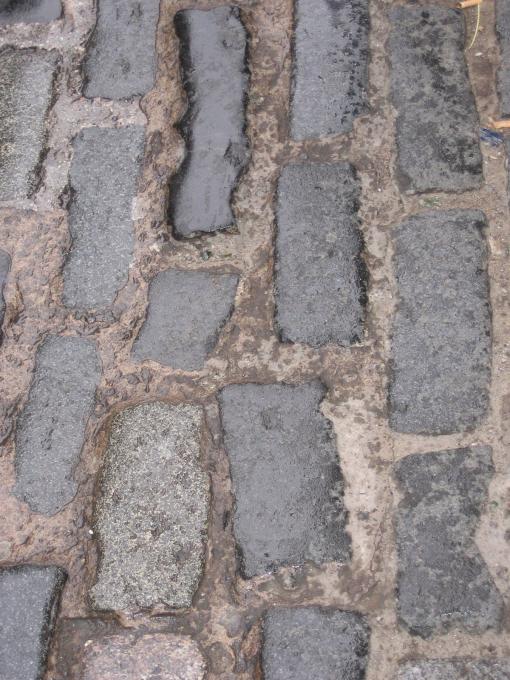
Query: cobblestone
[
  {"x": 185, "y": 315},
  {"x": 40, "y": 11},
  {"x": 29, "y": 597},
  {"x": 103, "y": 179},
  {"x": 5, "y": 265},
  {"x": 26, "y": 87},
  {"x": 443, "y": 581},
  {"x": 441, "y": 344},
  {"x": 51, "y": 429},
  {"x": 458, "y": 669},
  {"x": 437, "y": 124},
  {"x": 121, "y": 61},
  {"x": 283, "y": 462},
  {"x": 145, "y": 520},
  {"x": 503, "y": 29},
  {"x": 310, "y": 642},
  {"x": 320, "y": 277},
  {"x": 215, "y": 77}
]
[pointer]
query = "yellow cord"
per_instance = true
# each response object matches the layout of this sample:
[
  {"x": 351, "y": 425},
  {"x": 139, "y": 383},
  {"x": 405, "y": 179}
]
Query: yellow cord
[{"x": 478, "y": 14}]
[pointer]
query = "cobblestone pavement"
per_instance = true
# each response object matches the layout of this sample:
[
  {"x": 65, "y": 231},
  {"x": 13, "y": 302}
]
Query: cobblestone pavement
[{"x": 254, "y": 396}]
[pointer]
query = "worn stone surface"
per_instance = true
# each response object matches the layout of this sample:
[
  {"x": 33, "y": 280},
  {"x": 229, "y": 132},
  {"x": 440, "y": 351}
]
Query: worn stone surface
[
  {"x": 456, "y": 669},
  {"x": 437, "y": 124},
  {"x": 320, "y": 277},
  {"x": 29, "y": 597},
  {"x": 103, "y": 179},
  {"x": 286, "y": 478},
  {"x": 215, "y": 78},
  {"x": 330, "y": 66},
  {"x": 151, "y": 528},
  {"x": 503, "y": 30},
  {"x": 5, "y": 265},
  {"x": 185, "y": 315},
  {"x": 26, "y": 85},
  {"x": 441, "y": 342},
  {"x": 29, "y": 11},
  {"x": 443, "y": 581},
  {"x": 121, "y": 61},
  {"x": 311, "y": 642},
  {"x": 155, "y": 656},
  {"x": 50, "y": 431}
]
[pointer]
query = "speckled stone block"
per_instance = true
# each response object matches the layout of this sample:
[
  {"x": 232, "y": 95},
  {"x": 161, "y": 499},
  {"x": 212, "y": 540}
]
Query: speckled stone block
[
  {"x": 456, "y": 669},
  {"x": 503, "y": 31}
]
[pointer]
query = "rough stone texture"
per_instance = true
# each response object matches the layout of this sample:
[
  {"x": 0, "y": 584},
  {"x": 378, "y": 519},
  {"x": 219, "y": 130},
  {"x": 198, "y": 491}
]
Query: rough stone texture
[
  {"x": 503, "y": 31},
  {"x": 443, "y": 581},
  {"x": 185, "y": 314},
  {"x": 330, "y": 69},
  {"x": 29, "y": 597},
  {"x": 286, "y": 478},
  {"x": 156, "y": 656},
  {"x": 29, "y": 11},
  {"x": 310, "y": 642},
  {"x": 121, "y": 61},
  {"x": 151, "y": 527},
  {"x": 51, "y": 429},
  {"x": 103, "y": 179},
  {"x": 437, "y": 124},
  {"x": 441, "y": 332},
  {"x": 26, "y": 86},
  {"x": 215, "y": 77},
  {"x": 320, "y": 277},
  {"x": 456, "y": 669},
  {"x": 5, "y": 265}
]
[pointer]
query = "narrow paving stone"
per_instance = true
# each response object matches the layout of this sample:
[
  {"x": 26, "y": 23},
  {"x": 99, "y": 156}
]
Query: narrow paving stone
[
  {"x": 103, "y": 179},
  {"x": 157, "y": 656},
  {"x": 443, "y": 581},
  {"x": 51, "y": 429},
  {"x": 185, "y": 315},
  {"x": 441, "y": 342},
  {"x": 286, "y": 477},
  {"x": 26, "y": 84},
  {"x": 215, "y": 77},
  {"x": 330, "y": 68},
  {"x": 437, "y": 124},
  {"x": 320, "y": 277},
  {"x": 121, "y": 61},
  {"x": 457, "y": 669},
  {"x": 151, "y": 527},
  {"x": 29, "y": 11},
  {"x": 5, "y": 265},
  {"x": 311, "y": 642},
  {"x": 503, "y": 31},
  {"x": 29, "y": 597}
]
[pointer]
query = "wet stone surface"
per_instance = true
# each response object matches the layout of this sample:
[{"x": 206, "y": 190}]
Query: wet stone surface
[
  {"x": 5, "y": 265},
  {"x": 26, "y": 84},
  {"x": 441, "y": 343},
  {"x": 51, "y": 428},
  {"x": 443, "y": 582},
  {"x": 29, "y": 11},
  {"x": 103, "y": 179},
  {"x": 215, "y": 78},
  {"x": 29, "y": 597},
  {"x": 286, "y": 478},
  {"x": 185, "y": 315},
  {"x": 121, "y": 61},
  {"x": 437, "y": 124},
  {"x": 503, "y": 29},
  {"x": 320, "y": 278},
  {"x": 145, "y": 520},
  {"x": 456, "y": 669},
  {"x": 310, "y": 642},
  {"x": 330, "y": 66},
  {"x": 161, "y": 657}
]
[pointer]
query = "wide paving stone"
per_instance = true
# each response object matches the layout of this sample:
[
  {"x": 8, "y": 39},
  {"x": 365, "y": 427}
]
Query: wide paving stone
[{"x": 456, "y": 669}]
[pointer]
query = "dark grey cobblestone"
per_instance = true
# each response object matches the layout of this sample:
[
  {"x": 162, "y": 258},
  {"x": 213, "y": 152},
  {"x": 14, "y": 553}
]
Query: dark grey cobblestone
[
  {"x": 29, "y": 597},
  {"x": 50, "y": 431},
  {"x": 330, "y": 70},
  {"x": 286, "y": 477},
  {"x": 311, "y": 642},
  {"x": 437, "y": 124},
  {"x": 320, "y": 277},
  {"x": 31, "y": 11},
  {"x": 121, "y": 61},
  {"x": 215, "y": 77},
  {"x": 5, "y": 265},
  {"x": 443, "y": 582},
  {"x": 26, "y": 85},
  {"x": 441, "y": 344},
  {"x": 103, "y": 178},
  {"x": 185, "y": 315},
  {"x": 456, "y": 669},
  {"x": 503, "y": 29}
]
